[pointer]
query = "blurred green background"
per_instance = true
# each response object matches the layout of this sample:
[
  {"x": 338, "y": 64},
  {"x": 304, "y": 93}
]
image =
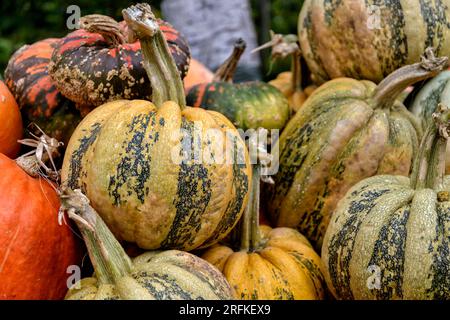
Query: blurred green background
[{"x": 26, "y": 21}]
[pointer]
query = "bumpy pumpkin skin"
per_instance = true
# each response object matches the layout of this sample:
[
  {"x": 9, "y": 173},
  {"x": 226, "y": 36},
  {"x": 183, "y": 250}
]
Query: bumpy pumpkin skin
[
  {"x": 335, "y": 140},
  {"x": 121, "y": 156},
  {"x": 167, "y": 275},
  {"x": 248, "y": 105},
  {"x": 286, "y": 267},
  {"x": 425, "y": 101},
  {"x": 341, "y": 38},
  {"x": 88, "y": 71},
  {"x": 40, "y": 102},
  {"x": 383, "y": 222},
  {"x": 10, "y": 123},
  {"x": 35, "y": 251}
]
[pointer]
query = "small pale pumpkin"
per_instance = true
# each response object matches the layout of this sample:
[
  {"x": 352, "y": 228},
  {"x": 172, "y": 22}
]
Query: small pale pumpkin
[
  {"x": 136, "y": 160},
  {"x": 389, "y": 237}
]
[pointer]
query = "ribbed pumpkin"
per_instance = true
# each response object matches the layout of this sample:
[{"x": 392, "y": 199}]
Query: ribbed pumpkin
[
  {"x": 102, "y": 62},
  {"x": 40, "y": 102},
  {"x": 35, "y": 251},
  {"x": 167, "y": 275},
  {"x": 389, "y": 237},
  {"x": 249, "y": 105},
  {"x": 370, "y": 39},
  {"x": 425, "y": 101},
  {"x": 268, "y": 264},
  {"x": 139, "y": 164},
  {"x": 10, "y": 123},
  {"x": 346, "y": 131},
  {"x": 197, "y": 73}
]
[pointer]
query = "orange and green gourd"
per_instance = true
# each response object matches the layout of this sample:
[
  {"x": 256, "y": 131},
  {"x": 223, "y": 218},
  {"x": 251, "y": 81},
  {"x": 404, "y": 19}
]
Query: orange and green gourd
[
  {"x": 137, "y": 160},
  {"x": 249, "y": 105}
]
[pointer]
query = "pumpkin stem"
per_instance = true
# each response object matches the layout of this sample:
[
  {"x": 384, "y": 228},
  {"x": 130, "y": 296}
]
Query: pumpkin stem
[
  {"x": 429, "y": 165},
  {"x": 394, "y": 84},
  {"x": 104, "y": 25},
  {"x": 161, "y": 69},
  {"x": 225, "y": 72},
  {"x": 107, "y": 255},
  {"x": 250, "y": 237},
  {"x": 45, "y": 149}
]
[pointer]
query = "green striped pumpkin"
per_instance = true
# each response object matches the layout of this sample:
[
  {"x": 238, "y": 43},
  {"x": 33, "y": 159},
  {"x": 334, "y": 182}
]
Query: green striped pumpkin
[
  {"x": 436, "y": 90},
  {"x": 249, "y": 105},
  {"x": 123, "y": 156},
  {"x": 370, "y": 39},
  {"x": 389, "y": 237},
  {"x": 346, "y": 131},
  {"x": 166, "y": 275}
]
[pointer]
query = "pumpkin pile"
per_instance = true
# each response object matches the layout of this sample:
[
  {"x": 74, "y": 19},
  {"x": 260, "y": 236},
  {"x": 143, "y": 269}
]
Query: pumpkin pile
[{"x": 159, "y": 170}]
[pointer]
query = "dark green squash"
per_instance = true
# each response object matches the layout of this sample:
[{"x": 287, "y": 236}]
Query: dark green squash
[{"x": 248, "y": 105}]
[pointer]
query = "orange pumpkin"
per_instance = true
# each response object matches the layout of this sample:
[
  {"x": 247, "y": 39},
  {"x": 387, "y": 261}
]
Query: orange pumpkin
[
  {"x": 198, "y": 73},
  {"x": 10, "y": 123},
  {"x": 35, "y": 251}
]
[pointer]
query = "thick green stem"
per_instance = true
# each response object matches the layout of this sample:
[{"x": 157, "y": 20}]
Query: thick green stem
[
  {"x": 429, "y": 165},
  {"x": 394, "y": 84},
  {"x": 226, "y": 71},
  {"x": 161, "y": 69},
  {"x": 250, "y": 235},
  {"x": 109, "y": 259}
]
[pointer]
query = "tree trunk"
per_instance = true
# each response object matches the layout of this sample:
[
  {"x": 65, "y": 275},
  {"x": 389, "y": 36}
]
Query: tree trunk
[{"x": 212, "y": 27}]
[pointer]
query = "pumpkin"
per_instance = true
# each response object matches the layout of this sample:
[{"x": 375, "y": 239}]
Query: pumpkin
[
  {"x": 389, "y": 236},
  {"x": 40, "y": 102},
  {"x": 152, "y": 275},
  {"x": 346, "y": 131},
  {"x": 138, "y": 162},
  {"x": 102, "y": 62},
  {"x": 268, "y": 264},
  {"x": 197, "y": 73},
  {"x": 35, "y": 251},
  {"x": 288, "y": 82},
  {"x": 249, "y": 105},
  {"x": 427, "y": 98},
  {"x": 11, "y": 123},
  {"x": 370, "y": 39}
]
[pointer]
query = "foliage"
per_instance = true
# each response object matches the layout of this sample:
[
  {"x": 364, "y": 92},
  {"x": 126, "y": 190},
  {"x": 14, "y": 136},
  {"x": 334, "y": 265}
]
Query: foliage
[{"x": 26, "y": 21}]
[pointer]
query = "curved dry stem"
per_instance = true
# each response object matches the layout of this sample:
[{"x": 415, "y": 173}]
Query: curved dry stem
[
  {"x": 104, "y": 25},
  {"x": 226, "y": 71},
  {"x": 45, "y": 149}
]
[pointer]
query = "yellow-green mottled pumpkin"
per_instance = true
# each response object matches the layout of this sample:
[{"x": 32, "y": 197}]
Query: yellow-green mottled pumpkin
[
  {"x": 370, "y": 39},
  {"x": 154, "y": 171},
  {"x": 269, "y": 264},
  {"x": 390, "y": 236},
  {"x": 427, "y": 98},
  {"x": 346, "y": 131},
  {"x": 160, "y": 275}
]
